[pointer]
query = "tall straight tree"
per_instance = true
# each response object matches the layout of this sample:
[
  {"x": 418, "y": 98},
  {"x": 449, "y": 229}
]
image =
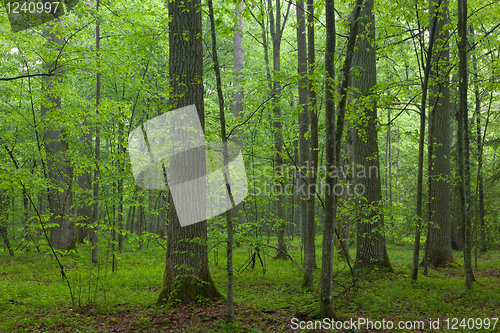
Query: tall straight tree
[
  {"x": 186, "y": 271},
  {"x": 304, "y": 149},
  {"x": 313, "y": 154},
  {"x": 325, "y": 299},
  {"x": 92, "y": 234},
  {"x": 439, "y": 216},
  {"x": 276, "y": 34},
  {"x": 58, "y": 168},
  {"x": 333, "y": 145},
  {"x": 425, "y": 83},
  {"x": 238, "y": 94},
  {"x": 463, "y": 143},
  {"x": 371, "y": 249}
]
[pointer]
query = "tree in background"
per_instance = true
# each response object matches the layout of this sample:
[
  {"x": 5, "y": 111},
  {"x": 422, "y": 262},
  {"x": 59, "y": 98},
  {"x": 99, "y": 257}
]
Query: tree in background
[{"x": 58, "y": 169}]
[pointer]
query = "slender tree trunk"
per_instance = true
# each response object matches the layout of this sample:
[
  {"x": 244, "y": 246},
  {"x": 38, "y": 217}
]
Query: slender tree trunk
[
  {"x": 229, "y": 213},
  {"x": 4, "y": 217},
  {"x": 371, "y": 249},
  {"x": 119, "y": 188},
  {"x": 276, "y": 35},
  {"x": 480, "y": 142},
  {"x": 463, "y": 143},
  {"x": 304, "y": 148},
  {"x": 238, "y": 64},
  {"x": 421, "y": 143},
  {"x": 92, "y": 232},
  {"x": 313, "y": 121},
  {"x": 325, "y": 299},
  {"x": 186, "y": 81}
]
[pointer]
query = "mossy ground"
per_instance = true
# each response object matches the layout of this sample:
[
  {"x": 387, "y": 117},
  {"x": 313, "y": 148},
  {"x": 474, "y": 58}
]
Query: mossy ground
[{"x": 34, "y": 298}]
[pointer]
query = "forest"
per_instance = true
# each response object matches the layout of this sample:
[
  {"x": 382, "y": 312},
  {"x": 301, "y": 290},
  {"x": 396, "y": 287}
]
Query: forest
[{"x": 249, "y": 166}]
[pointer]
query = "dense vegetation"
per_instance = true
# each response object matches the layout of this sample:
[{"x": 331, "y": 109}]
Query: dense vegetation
[{"x": 369, "y": 134}]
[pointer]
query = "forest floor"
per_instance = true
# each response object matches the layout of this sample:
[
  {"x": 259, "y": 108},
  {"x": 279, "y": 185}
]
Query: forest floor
[{"x": 34, "y": 297}]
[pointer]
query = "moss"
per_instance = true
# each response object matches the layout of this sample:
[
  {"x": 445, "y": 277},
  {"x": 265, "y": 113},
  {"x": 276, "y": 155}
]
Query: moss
[{"x": 188, "y": 289}]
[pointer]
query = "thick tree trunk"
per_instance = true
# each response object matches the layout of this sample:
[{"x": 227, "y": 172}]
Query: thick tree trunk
[
  {"x": 371, "y": 249},
  {"x": 439, "y": 237},
  {"x": 58, "y": 169},
  {"x": 187, "y": 274}
]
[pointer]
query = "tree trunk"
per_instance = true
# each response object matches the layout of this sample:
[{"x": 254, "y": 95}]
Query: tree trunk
[
  {"x": 325, "y": 299},
  {"x": 439, "y": 236},
  {"x": 463, "y": 143},
  {"x": 421, "y": 142},
  {"x": 371, "y": 249},
  {"x": 59, "y": 171},
  {"x": 92, "y": 232},
  {"x": 304, "y": 149},
  {"x": 276, "y": 35},
  {"x": 4, "y": 217},
  {"x": 480, "y": 143},
  {"x": 229, "y": 213},
  {"x": 187, "y": 276},
  {"x": 239, "y": 216},
  {"x": 313, "y": 121}
]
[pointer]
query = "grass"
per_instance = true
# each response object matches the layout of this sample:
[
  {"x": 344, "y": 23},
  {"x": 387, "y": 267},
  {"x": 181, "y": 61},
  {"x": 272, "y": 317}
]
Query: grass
[{"x": 34, "y": 297}]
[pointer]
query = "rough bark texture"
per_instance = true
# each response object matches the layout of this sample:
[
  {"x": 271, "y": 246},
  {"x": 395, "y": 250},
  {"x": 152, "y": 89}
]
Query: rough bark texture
[
  {"x": 371, "y": 249},
  {"x": 304, "y": 149},
  {"x": 187, "y": 276},
  {"x": 325, "y": 297},
  {"x": 439, "y": 237},
  {"x": 59, "y": 171}
]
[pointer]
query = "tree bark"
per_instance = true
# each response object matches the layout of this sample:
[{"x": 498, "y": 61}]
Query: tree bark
[
  {"x": 439, "y": 236},
  {"x": 313, "y": 121},
  {"x": 276, "y": 35},
  {"x": 59, "y": 170},
  {"x": 187, "y": 274},
  {"x": 229, "y": 213},
  {"x": 421, "y": 143},
  {"x": 325, "y": 299},
  {"x": 304, "y": 149},
  {"x": 4, "y": 217},
  {"x": 371, "y": 249},
  {"x": 463, "y": 143}
]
